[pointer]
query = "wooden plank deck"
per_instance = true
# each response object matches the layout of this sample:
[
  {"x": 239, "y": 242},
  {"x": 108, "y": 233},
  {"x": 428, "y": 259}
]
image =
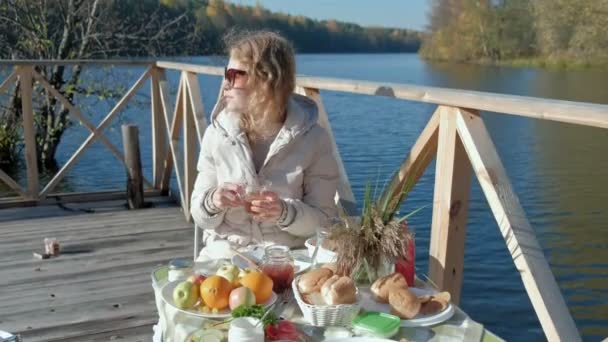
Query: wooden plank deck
[{"x": 102, "y": 290}]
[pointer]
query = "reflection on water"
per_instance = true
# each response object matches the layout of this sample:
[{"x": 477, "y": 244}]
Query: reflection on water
[{"x": 559, "y": 172}]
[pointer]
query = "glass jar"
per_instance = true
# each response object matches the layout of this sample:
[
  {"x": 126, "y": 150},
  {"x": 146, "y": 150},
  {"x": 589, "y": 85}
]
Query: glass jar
[
  {"x": 278, "y": 264},
  {"x": 179, "y": 269}
]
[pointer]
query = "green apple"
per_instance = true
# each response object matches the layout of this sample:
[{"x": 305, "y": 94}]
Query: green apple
[
  {"x": 185, "y": 295},
  {"x": 230, "y": 272}
]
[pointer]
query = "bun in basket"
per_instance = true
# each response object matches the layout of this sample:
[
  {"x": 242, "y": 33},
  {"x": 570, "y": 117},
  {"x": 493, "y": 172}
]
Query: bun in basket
[
  {"x": 339, "y": 290},
  {"x": 380, "y": 288},
  {"x": 404, "y": 303},
  {"x": 312, "y": 281},
  {"x": 331, "y": 266}
]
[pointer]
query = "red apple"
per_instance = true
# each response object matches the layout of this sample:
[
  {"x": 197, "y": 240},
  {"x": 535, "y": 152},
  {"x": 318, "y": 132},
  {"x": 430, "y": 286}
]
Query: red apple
[
  {"x": 241, "y": 296},
  {"x": 196, "y": 279}
]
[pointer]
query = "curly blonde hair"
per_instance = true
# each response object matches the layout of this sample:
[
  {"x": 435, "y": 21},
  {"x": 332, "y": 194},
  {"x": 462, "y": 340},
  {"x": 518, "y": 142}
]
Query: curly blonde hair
[{"x": 271, "y": 66}]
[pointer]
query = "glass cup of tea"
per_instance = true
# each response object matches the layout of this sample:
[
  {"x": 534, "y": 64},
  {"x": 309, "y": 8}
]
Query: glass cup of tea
[{"x": 253, "y": 192}]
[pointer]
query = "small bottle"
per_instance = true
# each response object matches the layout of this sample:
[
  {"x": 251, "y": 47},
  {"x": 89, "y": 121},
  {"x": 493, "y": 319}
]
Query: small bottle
[
  {"x": 179, "y": 269},
  {"x": 278, "y": 264}
]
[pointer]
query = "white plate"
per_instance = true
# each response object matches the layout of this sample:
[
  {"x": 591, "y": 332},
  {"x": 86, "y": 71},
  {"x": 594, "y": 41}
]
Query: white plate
[
  {"x": 358, "y": 339},
  {"x": 5, "y": 334},
  {"x": 167, "y": 296},
  {"x": 368, "y": 303}
]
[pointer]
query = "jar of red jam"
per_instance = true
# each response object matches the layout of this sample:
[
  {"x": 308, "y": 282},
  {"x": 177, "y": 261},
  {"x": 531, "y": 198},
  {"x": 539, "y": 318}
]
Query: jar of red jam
[{"x": 279, "y": 266}]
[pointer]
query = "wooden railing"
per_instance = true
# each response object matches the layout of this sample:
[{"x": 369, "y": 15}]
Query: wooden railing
[{"x": 455, "y": 134}]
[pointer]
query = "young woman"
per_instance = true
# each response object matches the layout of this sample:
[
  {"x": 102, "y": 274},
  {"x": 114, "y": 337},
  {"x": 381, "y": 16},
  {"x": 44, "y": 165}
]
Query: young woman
[{"x": 262, "y": 134}]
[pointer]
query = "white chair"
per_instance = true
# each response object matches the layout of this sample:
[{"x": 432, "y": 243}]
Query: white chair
[{"x": 197, "y": 242}]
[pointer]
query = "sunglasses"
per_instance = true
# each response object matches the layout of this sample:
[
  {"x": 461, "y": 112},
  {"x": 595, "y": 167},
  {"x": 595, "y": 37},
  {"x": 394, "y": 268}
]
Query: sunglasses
[{"x": 232, "y": 74}]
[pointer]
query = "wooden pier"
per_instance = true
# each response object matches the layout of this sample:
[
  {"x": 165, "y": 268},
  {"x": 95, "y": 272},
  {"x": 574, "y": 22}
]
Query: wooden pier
[
  {"x": 99, "y": 288},
  {"x": 104, "y": 290}
]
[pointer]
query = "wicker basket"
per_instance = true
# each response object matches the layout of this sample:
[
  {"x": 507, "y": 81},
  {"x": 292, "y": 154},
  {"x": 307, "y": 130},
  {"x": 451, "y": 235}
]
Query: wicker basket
[{"x": 326, "y": 315}]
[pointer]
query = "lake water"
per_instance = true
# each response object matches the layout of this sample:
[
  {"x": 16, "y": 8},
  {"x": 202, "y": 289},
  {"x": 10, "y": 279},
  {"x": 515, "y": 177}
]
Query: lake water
[{"x": 559, "y": 172}]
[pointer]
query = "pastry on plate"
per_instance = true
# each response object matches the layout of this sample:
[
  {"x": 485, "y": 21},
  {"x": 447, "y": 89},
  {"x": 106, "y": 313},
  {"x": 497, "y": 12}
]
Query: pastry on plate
[
  {"x": 383, "y": 285},
  {"x": 404, "y": 303}
]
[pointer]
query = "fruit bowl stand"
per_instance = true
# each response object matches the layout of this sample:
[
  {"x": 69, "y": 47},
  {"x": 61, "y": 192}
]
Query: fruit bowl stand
[{"x": 175, "y": 326}]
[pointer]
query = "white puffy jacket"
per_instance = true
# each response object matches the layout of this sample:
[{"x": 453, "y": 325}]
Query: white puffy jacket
[{"x": 300, "y": 165}]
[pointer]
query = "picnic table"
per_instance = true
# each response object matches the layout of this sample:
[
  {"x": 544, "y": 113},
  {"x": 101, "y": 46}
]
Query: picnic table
[{"x": 175, "y": 326}]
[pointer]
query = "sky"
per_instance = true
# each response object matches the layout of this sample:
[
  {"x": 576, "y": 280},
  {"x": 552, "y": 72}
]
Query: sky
[{"x": 411, "y": 14}]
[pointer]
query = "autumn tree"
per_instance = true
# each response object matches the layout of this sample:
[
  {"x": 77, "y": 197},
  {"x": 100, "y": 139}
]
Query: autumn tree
[
  {"x": 474, "y": 30},
  {"x": 75, "y": 29}
]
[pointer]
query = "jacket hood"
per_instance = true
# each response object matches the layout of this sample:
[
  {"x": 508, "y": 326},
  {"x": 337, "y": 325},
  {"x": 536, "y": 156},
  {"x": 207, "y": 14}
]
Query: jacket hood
[{"x": 302, "y": 114}]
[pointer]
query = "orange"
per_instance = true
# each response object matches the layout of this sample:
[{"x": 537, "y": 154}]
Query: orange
[
  {"x": 260, "y": 284},
  {"x": 215, "y": 292}
]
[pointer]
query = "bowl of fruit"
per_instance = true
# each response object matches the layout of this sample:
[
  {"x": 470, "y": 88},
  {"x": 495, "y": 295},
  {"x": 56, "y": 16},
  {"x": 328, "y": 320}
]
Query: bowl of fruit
[{"x": 217, "y": 295}]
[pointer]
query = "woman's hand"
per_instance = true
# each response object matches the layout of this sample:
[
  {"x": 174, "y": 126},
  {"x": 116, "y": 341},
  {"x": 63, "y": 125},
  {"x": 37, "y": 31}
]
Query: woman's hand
[
  {"x": 267, "y": 207},
  {"x": 227, "y": 196}
]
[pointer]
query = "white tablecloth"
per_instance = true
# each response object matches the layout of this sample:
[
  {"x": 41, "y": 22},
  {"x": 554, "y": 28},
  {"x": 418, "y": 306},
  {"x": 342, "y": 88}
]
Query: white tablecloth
[{"x": 175, "y": 326}]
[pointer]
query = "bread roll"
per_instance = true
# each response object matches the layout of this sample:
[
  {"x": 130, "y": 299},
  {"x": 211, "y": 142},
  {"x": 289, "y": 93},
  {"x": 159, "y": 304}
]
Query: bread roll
[
  {"x": 380, "y": 288},
  {"x": 339, "y": 290},
  {"x": 312, "y": 281},
  {"x": 331, "y": 266},
  {"x": 314, "y": 298},
  {"x": 403, "y": 303}
]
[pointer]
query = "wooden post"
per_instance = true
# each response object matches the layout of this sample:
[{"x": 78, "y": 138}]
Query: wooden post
[
  {"x": 135, "y": 185},
  {"x": 515, "y": 228},
  {"x": 451, "y": 203},
  {"x": 159, "y": 131},
  {"x": 29, "y": 134}
]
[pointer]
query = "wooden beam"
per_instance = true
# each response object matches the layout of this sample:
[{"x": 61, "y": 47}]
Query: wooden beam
[
  {"x": 167, "y": 106},
  {"x": 196, "y": 103},
  {"x": 345, "y": 193},
  {"x": 11, "y": 183},
  {"x": 159, "y": 130},
  {"x": 416, "y": 161},
  {"x": 8, "y": 81},
  {"x": 29, "y": 132},
  {"x": 175, "y": 125},
  {"x": 195, "y": 68},
  {"x": 190, "y": 144},
  {"x": 72, "y": 197},
  {"x": 450, "y": 207},
  {"x": 104, "y": 123},
  {"x": 519, "y": 236},
  {"x": 33, "y": 62},
  {"x": 78, "y": 114},
  {"x": 595, "y": 115}
]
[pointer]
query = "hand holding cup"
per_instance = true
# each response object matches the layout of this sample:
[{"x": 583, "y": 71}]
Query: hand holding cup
[{"x": 228, "y": 195}]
